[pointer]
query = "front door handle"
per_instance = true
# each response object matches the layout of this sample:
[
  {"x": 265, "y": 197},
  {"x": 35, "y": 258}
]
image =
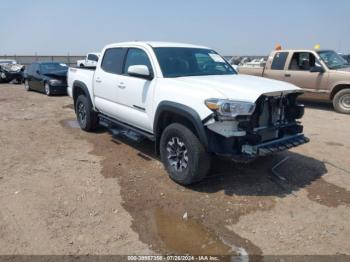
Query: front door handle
[
  {"x": 287, "y": 75},
  {"x": 121, "y": 85}
]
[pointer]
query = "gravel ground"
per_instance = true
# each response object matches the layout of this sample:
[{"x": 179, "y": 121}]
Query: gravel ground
[{"x": 64, "y": 191}]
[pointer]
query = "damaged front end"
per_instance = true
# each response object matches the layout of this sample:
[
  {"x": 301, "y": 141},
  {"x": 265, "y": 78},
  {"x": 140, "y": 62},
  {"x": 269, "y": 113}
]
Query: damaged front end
[
  {"x": 248, "y": 130},
  {"x": 10, "y": 72}
]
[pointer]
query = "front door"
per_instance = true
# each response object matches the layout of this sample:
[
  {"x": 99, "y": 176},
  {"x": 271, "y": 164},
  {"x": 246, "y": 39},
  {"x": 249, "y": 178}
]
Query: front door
[
  {"x": 135, "y": 93},
  {"x": 299, "y": 73}
]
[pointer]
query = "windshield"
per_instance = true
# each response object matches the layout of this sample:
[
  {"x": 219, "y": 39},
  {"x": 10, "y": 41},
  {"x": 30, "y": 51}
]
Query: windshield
[
  {"x": 6, "y": 62},
  {"x": 180, "y": 62},
  {"x": 333, "y": 60},
  {"x": 47, "y": 68}
]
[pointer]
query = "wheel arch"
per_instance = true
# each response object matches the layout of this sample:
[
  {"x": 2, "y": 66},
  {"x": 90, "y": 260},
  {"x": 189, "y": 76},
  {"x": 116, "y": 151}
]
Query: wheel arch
[
  {"x": 171, "y": 112},
  {"x": 79, "y": 88},
  {"x": 338, "y": 87}
]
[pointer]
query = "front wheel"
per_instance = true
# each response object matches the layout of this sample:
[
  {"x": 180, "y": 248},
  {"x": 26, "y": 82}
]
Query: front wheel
[
  {"x": 184, "y": 157},
  {"x": 341, "y": 101},
  {"x": 48, "y": 89},
  {"x": 86, "y": 117}
]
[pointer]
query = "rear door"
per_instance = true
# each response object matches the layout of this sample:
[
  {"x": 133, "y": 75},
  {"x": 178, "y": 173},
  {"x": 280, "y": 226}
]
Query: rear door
[
  {"x": 275, "y": 66},
  {"x": 36, "y": 78},
  {"x": 29, "y": 75},
  {"x": 106, "y": 81}
]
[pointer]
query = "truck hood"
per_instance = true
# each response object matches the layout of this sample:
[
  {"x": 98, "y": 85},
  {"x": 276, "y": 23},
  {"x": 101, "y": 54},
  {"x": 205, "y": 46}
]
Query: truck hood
[
  {"x": 346, "y": 69},
  {"x": 238, "y": 87}
]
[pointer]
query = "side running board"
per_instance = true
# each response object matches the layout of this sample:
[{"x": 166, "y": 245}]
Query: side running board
[{"x": 109, "y": 122}]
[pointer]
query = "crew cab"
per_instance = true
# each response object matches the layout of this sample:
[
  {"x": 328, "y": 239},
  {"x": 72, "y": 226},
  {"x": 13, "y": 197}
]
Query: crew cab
[
  {"x": 90, "y": 60},
  {"x": 188, "y": 100},
  {"x": 322, "y": 74}
]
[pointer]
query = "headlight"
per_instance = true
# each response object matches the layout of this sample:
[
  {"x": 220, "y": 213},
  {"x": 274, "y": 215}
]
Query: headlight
[
  {"x": 55, "y": 82},
  {"x": 228, "y": 108}
]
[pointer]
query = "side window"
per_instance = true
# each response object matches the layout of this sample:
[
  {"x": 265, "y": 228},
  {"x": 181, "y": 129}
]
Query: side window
[
  {"x": 136, "y": 56},
  {"x": 302, "y": 61},
  {"x": 279, "y": 61},
  {"x": 89, "y": 57},
  {"x": 113, "y": 60}
]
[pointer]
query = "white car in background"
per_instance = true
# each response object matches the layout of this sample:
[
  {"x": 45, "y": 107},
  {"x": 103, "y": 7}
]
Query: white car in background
[
  {"x": 90, "y": 60},
  {"x": 8, "y": 62}
]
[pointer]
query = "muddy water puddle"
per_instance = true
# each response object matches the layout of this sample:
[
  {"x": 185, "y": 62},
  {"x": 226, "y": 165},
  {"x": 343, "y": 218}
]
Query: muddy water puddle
[
  {"x": 188, "y": 236},
  {"x": 156, "y": 204},
  {"x": 70, "y": 123}
]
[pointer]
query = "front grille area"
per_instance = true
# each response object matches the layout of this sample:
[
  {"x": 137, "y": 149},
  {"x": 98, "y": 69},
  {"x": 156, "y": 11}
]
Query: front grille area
[{"x": 275, "y": 117}]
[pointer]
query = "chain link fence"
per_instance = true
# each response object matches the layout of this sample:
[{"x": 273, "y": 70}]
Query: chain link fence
[{"x": 70, "y": 60}]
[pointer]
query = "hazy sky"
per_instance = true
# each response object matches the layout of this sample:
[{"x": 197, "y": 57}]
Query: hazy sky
[{"x": 249, "y": 27}]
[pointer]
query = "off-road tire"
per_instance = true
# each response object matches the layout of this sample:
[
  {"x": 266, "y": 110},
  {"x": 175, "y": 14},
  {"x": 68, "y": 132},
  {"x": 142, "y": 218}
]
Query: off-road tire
[
  {"x": 86, "y": 116},
  {"x": 198, "y": 164},
  {"x": 341, "y": 101}
]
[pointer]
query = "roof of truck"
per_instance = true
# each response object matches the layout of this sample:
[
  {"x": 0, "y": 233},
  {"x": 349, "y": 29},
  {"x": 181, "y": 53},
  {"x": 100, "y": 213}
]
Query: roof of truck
[
  {"x": 301, "y": 50},
  {"x": 159, "y": 44}
]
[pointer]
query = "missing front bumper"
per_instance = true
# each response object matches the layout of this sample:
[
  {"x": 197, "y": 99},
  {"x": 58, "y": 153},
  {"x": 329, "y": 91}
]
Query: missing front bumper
[{"x": 275, "y": 145}]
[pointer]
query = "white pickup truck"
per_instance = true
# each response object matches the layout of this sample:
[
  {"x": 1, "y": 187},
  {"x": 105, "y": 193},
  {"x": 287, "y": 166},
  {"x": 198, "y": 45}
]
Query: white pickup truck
[
  {"x": 90, "y": 60},
  {"x": 188, "y": 100}
]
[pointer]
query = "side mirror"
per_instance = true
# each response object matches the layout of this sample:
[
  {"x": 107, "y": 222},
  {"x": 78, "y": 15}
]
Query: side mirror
[
  {"x": 38, "y": 72},
  {"x": 317, "y": 69},
  {"x": 141, "y": 71}
]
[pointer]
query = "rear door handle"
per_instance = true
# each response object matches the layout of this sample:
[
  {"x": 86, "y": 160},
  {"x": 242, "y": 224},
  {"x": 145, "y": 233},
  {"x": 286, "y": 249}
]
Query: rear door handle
[
  {"x": 98, "y": 80},
  {"x": 287, "y": 75}
]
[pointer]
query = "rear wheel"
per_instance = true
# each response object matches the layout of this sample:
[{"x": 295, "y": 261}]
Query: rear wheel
[
  {"x": 183, "y": 155},
  {"x": 341, "y": 101},
  {"x": 26, "y": 85},
  {"x": 86, "y": 117}
]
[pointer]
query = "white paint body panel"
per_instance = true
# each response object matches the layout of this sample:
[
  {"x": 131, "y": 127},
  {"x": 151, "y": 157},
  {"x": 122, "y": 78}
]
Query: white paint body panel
[{"x": 117, "y": 95}]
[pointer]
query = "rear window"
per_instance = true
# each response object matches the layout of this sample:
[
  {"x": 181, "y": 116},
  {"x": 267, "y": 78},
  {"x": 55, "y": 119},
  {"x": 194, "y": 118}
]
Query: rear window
[
  {"x": 113, "y": 60},
  {"x": 279, "y": 61}
]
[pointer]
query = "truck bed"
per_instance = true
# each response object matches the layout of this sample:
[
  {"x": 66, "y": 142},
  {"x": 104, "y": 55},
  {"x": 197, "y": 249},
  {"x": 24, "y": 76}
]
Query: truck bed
[
  {"x": 84, "y": 75},
  {"x": 247, "y": 70}
]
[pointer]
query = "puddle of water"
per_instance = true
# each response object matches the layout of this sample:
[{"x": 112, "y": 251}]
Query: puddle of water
[
  {"x": 188, "y": 236},
  {"x": 71, "y": 123}
]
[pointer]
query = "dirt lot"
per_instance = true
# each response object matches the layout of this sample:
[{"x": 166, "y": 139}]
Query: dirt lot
[{"x": 64, "y": 191}]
